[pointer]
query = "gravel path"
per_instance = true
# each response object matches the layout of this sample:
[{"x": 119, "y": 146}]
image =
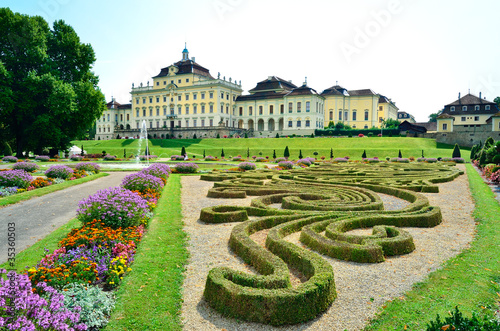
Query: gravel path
[
  {"x": 37, "y": 217},
  {"x": 362, "y": 288}
]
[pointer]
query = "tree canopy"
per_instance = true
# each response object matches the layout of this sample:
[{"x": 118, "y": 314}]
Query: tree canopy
[
  {"x": 433, "y": 117},
  {"x": 391, "y": 124},
  {"x": 48, "y": 93}
]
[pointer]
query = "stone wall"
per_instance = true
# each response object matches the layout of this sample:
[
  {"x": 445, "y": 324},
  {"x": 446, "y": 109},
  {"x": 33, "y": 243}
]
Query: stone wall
[{"x": 466, "y": 137}]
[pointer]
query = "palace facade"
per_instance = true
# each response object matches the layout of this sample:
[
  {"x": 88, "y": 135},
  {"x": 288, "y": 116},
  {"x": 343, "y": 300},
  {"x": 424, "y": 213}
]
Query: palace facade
[{"x": 184, "y": 100}]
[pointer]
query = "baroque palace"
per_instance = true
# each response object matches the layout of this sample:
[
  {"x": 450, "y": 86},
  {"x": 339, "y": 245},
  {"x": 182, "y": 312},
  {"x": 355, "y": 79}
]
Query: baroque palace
[{"x": 186, "y": 101}]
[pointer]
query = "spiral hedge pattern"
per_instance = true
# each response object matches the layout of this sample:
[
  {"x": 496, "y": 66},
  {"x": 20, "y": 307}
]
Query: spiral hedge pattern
[{"x": 323, "y": 203}]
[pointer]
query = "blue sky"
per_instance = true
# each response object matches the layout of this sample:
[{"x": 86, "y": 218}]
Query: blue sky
[{"x": 419, "y": 53}]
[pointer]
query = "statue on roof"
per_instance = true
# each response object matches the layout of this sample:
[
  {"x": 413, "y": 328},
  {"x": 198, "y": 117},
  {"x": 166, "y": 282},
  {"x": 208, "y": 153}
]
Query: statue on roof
[{"x": 218, "y": 75}]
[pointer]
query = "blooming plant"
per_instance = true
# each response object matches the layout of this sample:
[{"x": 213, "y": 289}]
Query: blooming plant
[
  {"x": 141, "y": 182},
  {"x": 109, "y": 157},
  {"x": 236, "y": 158},
  {"x": 40, "y": 182},
  {"x": 340, "y": 159},
  {"x": 9, "y": 158},
  {"x": 176, "y": 157},
  {"x": 59, "y": 275},
  {"x": 76, "y": 157},
  {"x": 279, "y": 159},
  {"x": 495, "y": 177},
  {"x": 210, "y": 158},
  {"x": 88, "y": 166},
  {"x": 305, "y": 162},
  {"x": 458, "y": 160},
  {"x": 159, "y": 170},
  {"x": 260, "y": 159},
  {"x": 43, "y": 158},
  {"x": 247, "y": 166},
  {"x": 59, "y": 171},
  {"x": 186, "y": 168},
  {"x": 117, "y": 268},
  {"x": 147, "y": 157},
  {"x": 23, "y": 309},
  {"x": 8, "y": 191},
  {"x": 115, "y": 206},
  {"x": 19, "y": 178},
  {"x": 26, "y": 166},
  {"x": 286, "y": 164}
]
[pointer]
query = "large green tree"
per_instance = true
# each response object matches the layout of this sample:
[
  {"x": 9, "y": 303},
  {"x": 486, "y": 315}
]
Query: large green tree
[
  {"x": 391, "y": 123},
  {"x": 48, "y": 93},
  {"x": 433, "y": 117}
]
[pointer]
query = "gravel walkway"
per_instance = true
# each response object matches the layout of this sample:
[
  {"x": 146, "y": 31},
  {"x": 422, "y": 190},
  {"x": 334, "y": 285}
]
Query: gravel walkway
[
  {"x": 37, "y": 217},
  {"x": 362, "y": 288}
]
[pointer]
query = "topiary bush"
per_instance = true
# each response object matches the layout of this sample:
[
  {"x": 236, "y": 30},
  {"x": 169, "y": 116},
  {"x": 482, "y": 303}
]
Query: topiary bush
[
  {"x": 59, "y": 171},
  {"x": 115, "y": 207}
]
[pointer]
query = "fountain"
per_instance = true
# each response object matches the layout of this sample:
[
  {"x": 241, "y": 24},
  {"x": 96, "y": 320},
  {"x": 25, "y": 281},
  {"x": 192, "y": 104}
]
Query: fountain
[{"x": 143, "y": 135}]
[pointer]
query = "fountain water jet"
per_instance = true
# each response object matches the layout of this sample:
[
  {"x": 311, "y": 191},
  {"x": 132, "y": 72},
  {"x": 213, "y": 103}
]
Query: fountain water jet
[{"x": 143, "y": 136}]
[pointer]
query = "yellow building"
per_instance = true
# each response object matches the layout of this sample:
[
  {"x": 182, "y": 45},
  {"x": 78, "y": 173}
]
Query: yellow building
[
  {"x": 360, "y": 109},
  {"x": 185, "y": 94}
]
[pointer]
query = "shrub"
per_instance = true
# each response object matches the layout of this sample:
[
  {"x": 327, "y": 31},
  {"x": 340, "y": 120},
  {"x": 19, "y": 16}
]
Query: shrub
[
  {"x": 9, "y": 158},
  {"x": 188, "y": 168},
  {"x": 142, "y": 182},
  {"x": 247, "y": 166},
  {"x": 285, "y": 164},
  {"x": 306, "y": 162},
  {"x": 260, "y": 159},
  {"x": 236, "y": 158},
  {"x": 76, "y": 157},
  {"x": 59, "y": 171},
  {"x": 456, "y": 152},
  {"x": 18, "y": 178},
  {"x": 340, "y": 159},
  {"x": 22, "y": 305},
  {"x": 279, "y": 159},
  {"x": 109, "y": 157},
  {"x": 359, "y": 135},
  {"x": 458, "y": 160},
  {"x": 147, "y": 157},
  {"x": 115, "y": 206},
  {"x": 8, "y": 191},
  {"x": 159, "y": 170},
  {"x": 43, "y": 158},
  {"x": 26, "y": 166},
  {"x": 495, "y": 177},
  {"x": 40, "y": 182},
  {"x": 88, "y": 166},
  {"x": 457, "y": 322},
  {"x": 95, "y": 304},
  {"x": 209, "y": 158}
]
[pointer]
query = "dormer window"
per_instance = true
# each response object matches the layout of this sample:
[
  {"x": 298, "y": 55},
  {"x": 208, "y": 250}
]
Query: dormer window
[
  {"x": 487, "y": 107},
  {"x": 476, "y": 108},
  {"x": 464, "y": 108},
  {"x": 452, "y": 108}
]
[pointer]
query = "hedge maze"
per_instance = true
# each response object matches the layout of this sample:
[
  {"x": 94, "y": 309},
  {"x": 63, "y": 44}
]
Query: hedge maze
[{"x": 324, "y": 203}]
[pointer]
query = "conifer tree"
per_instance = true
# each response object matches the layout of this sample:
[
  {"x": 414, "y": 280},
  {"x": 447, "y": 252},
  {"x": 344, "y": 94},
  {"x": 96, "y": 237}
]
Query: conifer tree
[
  {"x": 400, "y": 155},
  {"x": 331, "y": 152},
  {"x": 300, "y": 154},
  {"x": 248, "y": 153},
  {"x": 286, "y": 154},
  {"x": 222, "y": 153},
  {"x": 364, "y": 155},
  {"x": 274, "y": 153},
  {"x": 183, "y": 151},
  {"x": 456, "y": 151}
]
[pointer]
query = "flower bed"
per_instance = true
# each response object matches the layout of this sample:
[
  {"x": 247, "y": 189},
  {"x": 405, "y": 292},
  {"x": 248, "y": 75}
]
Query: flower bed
[
  {"x": 109, "y": 157},
  {"x": 17, "y": 178},
  {"x": 26, "y": 166},
  {"x": 210, "y": 158},
  {"x": 59, "y": 171},
  {"x": 76, "y": 157},
  {"x": 43, "y": 158},
  {"x": 88, "y": 166},
  {"x": 89, "y": 259},
  {"x": 186, "y": 168},
  {"x": 247, "y": 166},
  {"x": 147, "y": 157},
  {"x": 176, "y": 158},
  {"x": 285, "y": 164},
  {"x": 9, "y": 158}
]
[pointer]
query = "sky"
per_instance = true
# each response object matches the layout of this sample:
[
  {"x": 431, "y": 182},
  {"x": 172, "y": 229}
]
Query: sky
[{"x": 419, "y": 53}]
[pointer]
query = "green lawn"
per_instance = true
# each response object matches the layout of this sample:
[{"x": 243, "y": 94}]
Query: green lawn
[
  {"x": 352, "y": 147},
  {"x": 470, "y": 281}
]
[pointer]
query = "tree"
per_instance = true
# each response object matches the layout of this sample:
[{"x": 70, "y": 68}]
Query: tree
[
  {"x": 456, "y": 151},
  {"x": 433, "y": 117},
  {"x": 331, "y": 153},
  {"x": 274, "y": 153},
  {"x": 48, "y": 93},
  {"x": 248, "y": 153},
  {"x": 183, "y": 151},
  {"x": 497, "y": 101},
  {"x": 194, "y": 136},
  {"x": 203, "y": 153},
  {"x": 277, "y": 135},
  {"x": 364, "y": 155},
  {"x": 218, "y": 136},
  {"x": 286, "y": 154},
  {"x": 400, "y": 155},
  {"x": 331, "y": 125},
  {"x": 391, "y": 124},
  {"x": 300, "y": 154},
  {"x": 222, "y": 153}
]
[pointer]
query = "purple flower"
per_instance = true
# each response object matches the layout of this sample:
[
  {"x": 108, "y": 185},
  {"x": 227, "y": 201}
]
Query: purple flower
[
  {"x": 286, "y": 164},
  {"x": 88, "y": 166},
  {"x": 186, "y": 167},
  {"x": 26, "y": 166},
  {"x": 59, "y": 171},
  {"x": 142, "y": 182},
  {"x": 19, "y": 178},
  {"x": 247, "y": 166}
]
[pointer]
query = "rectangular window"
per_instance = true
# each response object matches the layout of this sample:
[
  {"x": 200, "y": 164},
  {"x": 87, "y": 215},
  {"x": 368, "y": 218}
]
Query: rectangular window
[
  {"x": 290, "y": 107},
  {"x": 157, "y": 99},
  {"x": 164, "y": 111},
  {"x": 150, "y": 125},
  {"x": 178, "y": 98},
  {"x": 308, "y": 106},
  {"x": 227, "y": 109},
  {"x": 346, "y": 116},
  {"x": 331, "y": 115},
  {"x": 203, "y": 96},
  {"x": 179, "y": 123},
  {"x": 211, "y": 95},
  {"x": 250, "y": 110},
  {"x": 211, "y": 108},
  {"x": 164, "y": 124},
  {"x": 211, "y": 122},
  {"x": 157, "y": 83},
  {"x": 187, "y": 123},
  {"x": 187, "y": 97},
  {"x": 164, "y": 99},
  {"x": 137, "y": 101},
  {"x": 290, "y": 124},
  {"x": 241, "y": 111},
  {"x": 445, "y": 126},
  {"x": 150, "y": 112},
  {"x": 157, "y": 111},
  {"x": 144, "y": 112},
  {"x": 187, "y": 110},
  {"x": 143, "y": 100},
  {"x": 195, "y": 109},
  {"x": 137, "y": 113},
  {"x": 463, "y": 119},
  {"x": 164, "y": 82},
  {"x": 108, "y": 117},
  {"x": 227, "y": 96},
  {"x": 128, "y": 117},
  {"x": 116, "y": 117},
  {"x": 299, "y": 107},
  {"x": 195, "y": 96},
  {"x": 222, "y": 95},
  {"x": 308, "y": 123},
  {"x": 179, "y": 111},
  {"x": 354, "y": 116},
  {"x": 299, "y": 123},
  {"x": 260, "y": 110},
  {"x": 221, "y": 109},
  {"x": 203, "y": 109},
  {"x": 282, "y": 109},
  {"x": 340, "y": 115},
  {"x": 194, "y": 122},
  {"x": 187, "y": 80},
  {"x": 150, "y": 100},
  {"x": 476, "y": 118},
  {"x": 202, "y": 122},
  {"x": 157, "y": 124},
  {"x": 271, "y": 109},
  {"x": 179, "y": 81},
  {"x": 366, "y": 116}
]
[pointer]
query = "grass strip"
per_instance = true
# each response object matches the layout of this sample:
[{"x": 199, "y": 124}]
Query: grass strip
[
  {"x": 33, "y": 254},
  {"x": 150, "y": 297},
  {"x": 47, "y": 189},
  {"x": 471, "y": 280}
]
